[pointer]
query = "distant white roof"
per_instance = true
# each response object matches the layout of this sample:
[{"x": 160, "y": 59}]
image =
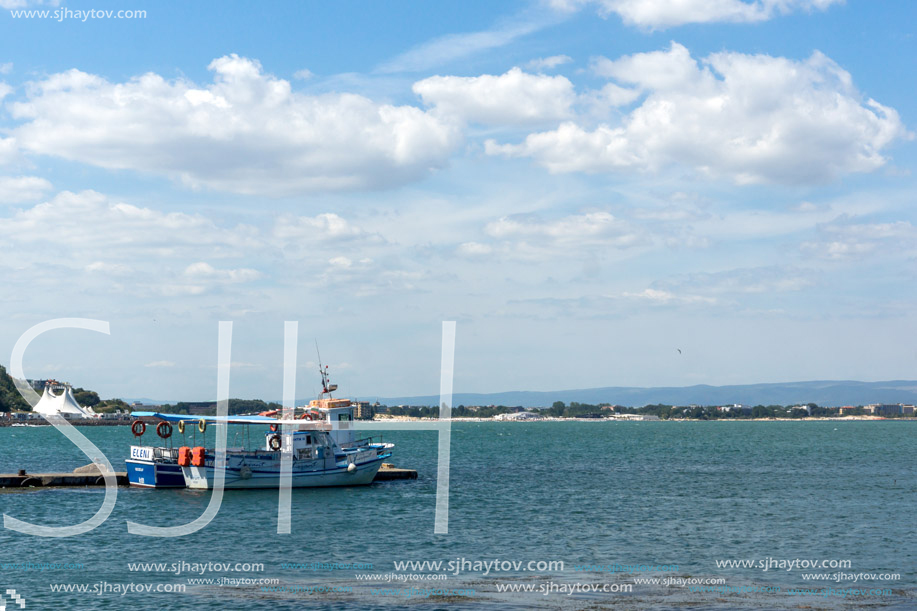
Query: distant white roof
[{"x": 63, "y": 403}]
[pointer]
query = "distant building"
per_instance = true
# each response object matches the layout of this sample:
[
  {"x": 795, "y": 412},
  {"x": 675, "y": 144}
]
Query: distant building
[
  {"x": 519, "y": 416},
  {"x": 39, "y": 385},
  {"x": 888, "y": 410},
  {"x": 908, "y": 410},
  {"x": 637, "y": 417},
  {"x": 362, "y": 410}
]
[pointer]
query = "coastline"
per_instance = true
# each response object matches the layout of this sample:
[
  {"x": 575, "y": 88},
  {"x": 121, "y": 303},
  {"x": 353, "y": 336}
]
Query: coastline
[{"x": 552, "y": 419}]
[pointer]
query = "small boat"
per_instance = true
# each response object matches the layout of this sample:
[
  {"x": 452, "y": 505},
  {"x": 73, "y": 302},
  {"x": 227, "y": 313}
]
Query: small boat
[
  {"x": 154, "y": 466},
  {"x": 315, "y": 461},
  {"x": 320, "y": 442}
]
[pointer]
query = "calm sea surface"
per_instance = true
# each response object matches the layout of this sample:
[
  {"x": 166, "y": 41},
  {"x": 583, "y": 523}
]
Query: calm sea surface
[{"x": 592, "y": 493}]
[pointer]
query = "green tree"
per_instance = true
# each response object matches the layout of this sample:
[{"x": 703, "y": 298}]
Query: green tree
[
  {"x": 86, "y": 398},
  {"x": 110, "y": 405},
  {"x": 10, "y": 399}
]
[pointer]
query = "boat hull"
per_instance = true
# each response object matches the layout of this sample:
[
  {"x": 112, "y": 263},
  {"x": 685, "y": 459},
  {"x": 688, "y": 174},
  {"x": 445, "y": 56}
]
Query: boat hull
[
  {"x": 268, "y": 476},
  {"x": 147, "y": 474}
]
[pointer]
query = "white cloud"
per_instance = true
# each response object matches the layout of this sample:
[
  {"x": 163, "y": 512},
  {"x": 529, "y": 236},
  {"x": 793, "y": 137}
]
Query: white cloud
[
  {"x": 846, "y": 238},
  {"x": 8, "y": 150},
  {"x": 114, "y": 269},
  {"x": 5, "y": 90},
  {"x": 246, "y": 132},
  {"x": 661, "y": 297},
  {"x": 765, "y": 280},
  {"x": 474, "y": 249},
  {"x": 657, "y": 14},
  {"x": 611, "y": 96},
  {"x": 671, "y": 70},
  {"x": 160, "y": 364},
  {"x": 327, "y": 226},
  {"x": 303, "y": 75},
  {"x": 340, "y": 262},
  {"x": 14, "y": 190},
  {"x": 91, "y": 221},
  {"x": 113, "y": 247},
  {"x": 515, "y": 97},
  {"x": 6, "y": 68},
  {"x": 456, "y": 46},
  {"x": 574, "y": 227},
  {"x": 203, "y": 271},
  {"x": 107, "y": 246},
  {"x": 531, "y": 238},
  {"x": 752, "y": 118},
  {"x": 548, "y": 63}
]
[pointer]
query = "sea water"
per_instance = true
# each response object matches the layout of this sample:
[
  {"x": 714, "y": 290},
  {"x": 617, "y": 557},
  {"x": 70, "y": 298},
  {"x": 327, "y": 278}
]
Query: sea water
[{"x": 565, "y": 509}]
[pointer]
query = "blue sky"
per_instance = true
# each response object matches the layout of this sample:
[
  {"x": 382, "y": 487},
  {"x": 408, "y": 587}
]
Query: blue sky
[{"x": 586, "y": 186}]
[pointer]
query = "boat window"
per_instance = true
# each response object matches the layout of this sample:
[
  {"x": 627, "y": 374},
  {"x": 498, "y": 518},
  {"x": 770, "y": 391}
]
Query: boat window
[{"x": 343, "y": 416}]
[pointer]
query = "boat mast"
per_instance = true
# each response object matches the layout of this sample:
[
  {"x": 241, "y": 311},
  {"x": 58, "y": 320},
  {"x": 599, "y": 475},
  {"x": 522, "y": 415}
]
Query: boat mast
[{"x": 327, "y": 386}]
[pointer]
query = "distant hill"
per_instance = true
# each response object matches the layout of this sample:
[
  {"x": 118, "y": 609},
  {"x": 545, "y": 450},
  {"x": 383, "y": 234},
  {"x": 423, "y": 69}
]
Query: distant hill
[
  {"x": 10, "y": 399},
  {"x": 830, "y": 393}
]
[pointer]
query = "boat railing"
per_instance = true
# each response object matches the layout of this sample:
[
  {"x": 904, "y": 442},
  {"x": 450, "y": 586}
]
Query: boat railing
[
  {"x": 362, "y": 456},
  {"x": 165, "y": 453},
  {"x": 359, "y": 442}
]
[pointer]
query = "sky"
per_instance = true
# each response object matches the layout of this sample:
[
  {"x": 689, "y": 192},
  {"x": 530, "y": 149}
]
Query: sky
[{"x": 598, "y": 192}]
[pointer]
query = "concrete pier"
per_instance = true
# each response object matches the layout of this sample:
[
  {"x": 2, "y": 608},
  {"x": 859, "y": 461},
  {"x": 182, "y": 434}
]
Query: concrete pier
[
  {"x": 90, "y": 476},
  {"x": 389, "y": 472},
  {"x": 50, "y": 480}
]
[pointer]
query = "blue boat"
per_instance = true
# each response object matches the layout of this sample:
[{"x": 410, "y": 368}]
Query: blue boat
[{"x": 154, "y": 467}]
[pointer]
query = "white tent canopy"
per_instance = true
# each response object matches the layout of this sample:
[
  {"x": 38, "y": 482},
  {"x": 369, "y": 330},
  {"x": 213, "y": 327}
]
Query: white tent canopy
[{"x": 63, "y": 403}]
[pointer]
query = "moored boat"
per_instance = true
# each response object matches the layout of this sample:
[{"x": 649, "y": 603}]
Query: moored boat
[
  {"x": 318, "y": 439},
  {"x": 154, "y": 466},
  {"x": 315, "y": 460}
]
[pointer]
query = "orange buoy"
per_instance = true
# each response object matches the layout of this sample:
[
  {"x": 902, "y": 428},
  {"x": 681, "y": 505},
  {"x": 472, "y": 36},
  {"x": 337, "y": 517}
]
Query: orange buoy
[{"x": 164, "y": 429}]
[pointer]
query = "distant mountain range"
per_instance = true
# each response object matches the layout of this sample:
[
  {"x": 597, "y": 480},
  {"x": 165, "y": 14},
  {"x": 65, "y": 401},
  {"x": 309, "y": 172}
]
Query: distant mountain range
[
  {"x": 826, "y": 393},
  {"x": 830, "y": 393}
]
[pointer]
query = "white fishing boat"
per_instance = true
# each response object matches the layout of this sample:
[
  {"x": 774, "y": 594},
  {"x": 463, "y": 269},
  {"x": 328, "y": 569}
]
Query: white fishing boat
[
  {"x": 314, "y": 460},
  {"x": 317, "y": 441}
]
